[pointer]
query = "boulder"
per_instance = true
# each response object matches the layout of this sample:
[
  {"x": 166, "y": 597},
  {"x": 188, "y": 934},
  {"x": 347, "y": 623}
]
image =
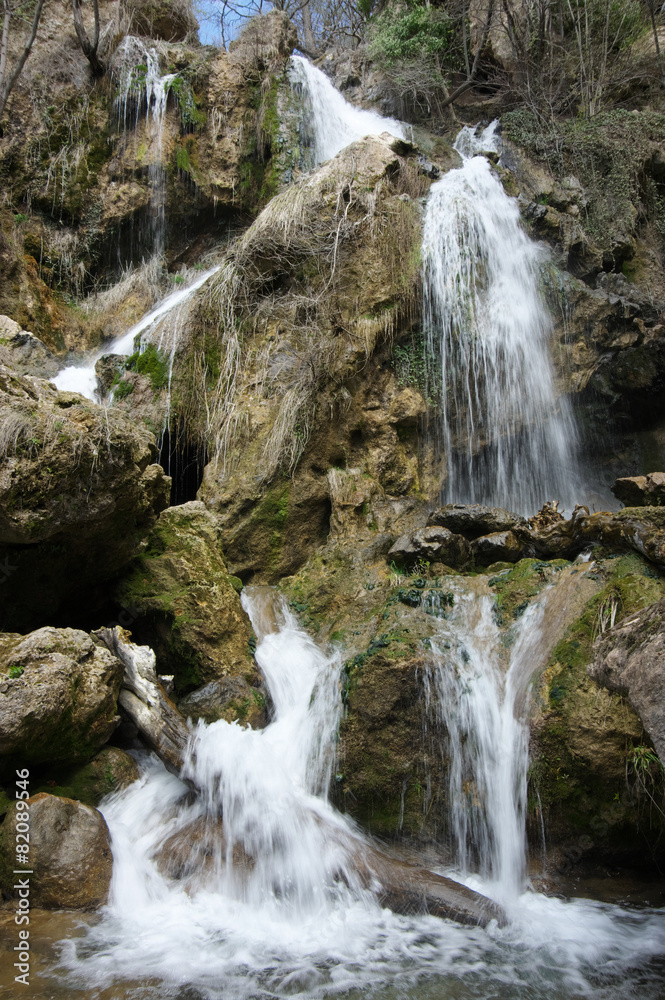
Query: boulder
[
  {"x": 78, "y": 492},
  {"x": 630, "y": 659},
  {"x": 474, "y": 520},
  {"x": 229, "y": 699},
  {"x": 500, "y": 546},
  {"x": 641, "y": 491},
  {"x": 70, "y": 854},
  {"x": 58, "y": 694},
  {"x": 433, "y": 544},
  {"x": 184, "y": 603},
  {"x": 23, "y": 352}
]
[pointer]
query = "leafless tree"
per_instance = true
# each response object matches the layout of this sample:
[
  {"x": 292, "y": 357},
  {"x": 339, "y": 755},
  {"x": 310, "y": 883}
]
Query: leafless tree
[
  {"x": 89, "y": 47},
  {"x": 12, "y": 11}
]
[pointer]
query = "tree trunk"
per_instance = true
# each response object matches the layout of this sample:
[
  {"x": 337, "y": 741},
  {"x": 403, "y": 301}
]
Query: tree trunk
[
  {"x": 89, "y": 48},
  {"x": 7, "y": 83}
]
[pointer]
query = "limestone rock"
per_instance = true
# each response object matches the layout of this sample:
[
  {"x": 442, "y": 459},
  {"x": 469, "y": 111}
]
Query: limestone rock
[
  {"x": 184, "y": 602},
  {"x": 630, "y": 659},
  {"x": 499, "y": 546},
  {"x": 641, "y": 491},
  {"x": 171, "y": 20},
  {"x": 474, "y": 520},
  {"x": 23, "y": 352},
  {"x": 70, "y": 854},
  {"x": 230, "y": 699},
  {"x": 108, "y": 369},
  {"x": 58, "y": 694},
  {"x": 433, "y": 544},
  {"x": 78, "y": 491}
]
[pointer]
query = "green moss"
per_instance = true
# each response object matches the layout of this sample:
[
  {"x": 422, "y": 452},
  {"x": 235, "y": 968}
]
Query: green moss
[
  {"x": 151, "y": 363},
  {"x": 588, "y": 737}
]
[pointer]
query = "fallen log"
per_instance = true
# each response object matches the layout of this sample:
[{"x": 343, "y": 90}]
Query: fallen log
[{"x": 144, "y": 700}]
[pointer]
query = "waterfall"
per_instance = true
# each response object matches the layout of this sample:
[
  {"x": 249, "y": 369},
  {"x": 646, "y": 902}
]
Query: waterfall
[
  {"x": 482, "y": 686},
  {"x": 332, "y": 121},
  {"x": 267, "y": 905},
  {"x": 140, "y": 84},
  {"x": 82, "y": 378},
  {"x": 506, "y": 437}
]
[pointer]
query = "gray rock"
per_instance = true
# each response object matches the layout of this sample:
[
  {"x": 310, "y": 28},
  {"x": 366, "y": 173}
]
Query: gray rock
[
  {"x": 500, "y": 546},
  {"x": 434, "y": 544},
  {"x": 641, "y": 491},
  {"x": 213, "y": 701},
  {"x": 70, "y": 854},
  {"x": 474, "y": 520},
  {"x": 23, "y": 352},
  {"x": 107, "y": 368},
  {"x": 630, "y": 659},
  {"x": 58, "y": 694}
]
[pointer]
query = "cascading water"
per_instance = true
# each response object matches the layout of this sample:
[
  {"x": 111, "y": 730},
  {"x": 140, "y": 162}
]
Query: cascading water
[
  {"x": 482, "y": 701},
  {"x": 82, "y": 378},
  {"x": 267, "y": 904},
  {"x": 506, "y": 437},
  {"x": 333, "y": 122}
]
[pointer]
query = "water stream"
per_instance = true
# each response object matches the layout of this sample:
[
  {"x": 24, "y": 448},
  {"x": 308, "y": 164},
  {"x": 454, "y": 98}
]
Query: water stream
[
  {"x": 268, "y": 905},
  {"x": 331, "y": 120},
  {"x": 507, "y": 438},
  {"x": 82, "y": 378}
]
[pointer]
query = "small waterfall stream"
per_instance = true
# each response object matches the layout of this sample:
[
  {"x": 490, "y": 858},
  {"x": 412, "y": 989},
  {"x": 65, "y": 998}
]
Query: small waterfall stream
[
  {"x": 333, "y": 122},
  {"x": 82, "y": 378},
  {"x": 141, "y": 85},
  {"x": 506, "y": 437}
]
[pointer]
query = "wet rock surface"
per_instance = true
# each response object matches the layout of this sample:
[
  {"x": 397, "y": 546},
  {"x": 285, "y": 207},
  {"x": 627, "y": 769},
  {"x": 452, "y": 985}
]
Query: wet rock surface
[
  {"x": 24, "y": 352},
  {"x": 474, "y": 520},
  {"x": 70, "y": 854},
  {"x": 184, "y": 603}
]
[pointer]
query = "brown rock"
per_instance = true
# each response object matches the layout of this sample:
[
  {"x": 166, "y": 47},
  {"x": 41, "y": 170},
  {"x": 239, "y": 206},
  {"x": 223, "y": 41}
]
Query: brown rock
[
  {"x": 641, "y": 491},
  {"x": 630, "y": 659},
  {"x": 70, "y": 854}
]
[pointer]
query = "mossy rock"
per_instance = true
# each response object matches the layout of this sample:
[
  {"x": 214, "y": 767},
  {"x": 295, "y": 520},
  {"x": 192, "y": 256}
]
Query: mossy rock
[
  {"x": 184, "y": 603},
  {"x": 584, "y": 738},
  {"x": 111, "y": 770}
]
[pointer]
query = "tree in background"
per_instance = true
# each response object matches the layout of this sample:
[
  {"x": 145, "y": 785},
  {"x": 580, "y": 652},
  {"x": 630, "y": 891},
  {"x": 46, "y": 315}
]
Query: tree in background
[
  {"x": 14, "y": 11},
  {"x": 90, "y": 48}
]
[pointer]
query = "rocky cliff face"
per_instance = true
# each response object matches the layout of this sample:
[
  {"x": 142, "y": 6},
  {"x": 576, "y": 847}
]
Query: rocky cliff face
[{"x": 299, "y": 382}]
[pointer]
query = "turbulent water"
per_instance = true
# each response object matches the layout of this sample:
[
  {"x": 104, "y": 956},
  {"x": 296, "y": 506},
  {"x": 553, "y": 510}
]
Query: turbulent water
[
  {"x": 332, "y": 121},
  {"x": 508, "y": 440},
  {"x": 269, "y": 905}
]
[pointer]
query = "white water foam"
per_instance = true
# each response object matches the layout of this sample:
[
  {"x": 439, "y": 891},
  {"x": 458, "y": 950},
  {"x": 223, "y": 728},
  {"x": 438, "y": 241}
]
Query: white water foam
[
  {"x": 507, "y": 438},
  {"x": 333, "y": 121},
  {"x": 82, "y": 378}
]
